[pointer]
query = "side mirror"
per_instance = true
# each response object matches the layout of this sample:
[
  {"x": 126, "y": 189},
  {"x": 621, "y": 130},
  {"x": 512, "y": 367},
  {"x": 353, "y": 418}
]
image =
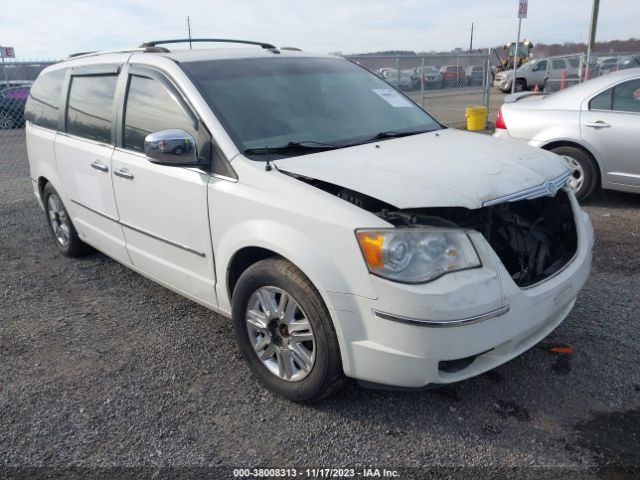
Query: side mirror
[{"x": 171, "y": 147}]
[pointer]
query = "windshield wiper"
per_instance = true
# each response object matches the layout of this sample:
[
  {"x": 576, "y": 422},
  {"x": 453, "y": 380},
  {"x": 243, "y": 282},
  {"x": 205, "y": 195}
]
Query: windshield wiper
[
  {"x": 292, "y": 147},
  {"x": 397, "y": 134},
  {"x": 390, "y": 134}
]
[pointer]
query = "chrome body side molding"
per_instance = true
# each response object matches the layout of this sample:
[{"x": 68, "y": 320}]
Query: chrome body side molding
[
  {"x": 144, "y": 232},
  {"x": 443, "y": 323}
]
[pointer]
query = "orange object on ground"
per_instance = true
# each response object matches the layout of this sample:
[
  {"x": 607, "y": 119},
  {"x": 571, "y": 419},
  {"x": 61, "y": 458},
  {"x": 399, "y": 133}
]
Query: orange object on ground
[
  {"x": 565, "y": 350},
  {"x": 563, "y": 80}
]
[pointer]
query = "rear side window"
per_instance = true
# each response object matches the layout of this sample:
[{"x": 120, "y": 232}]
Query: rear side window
[
  {"x": 90, "y": 106},
  {"x": 602, "y": 101},
  {"x": 574, "y": 62},
  {"x": 622, "y": 98},
  {"x": 558, "y": 64},
  {"x": 43, "y": 103},
  {"x": 626, "y": 97},
  {"x": 150, "y": 108}
]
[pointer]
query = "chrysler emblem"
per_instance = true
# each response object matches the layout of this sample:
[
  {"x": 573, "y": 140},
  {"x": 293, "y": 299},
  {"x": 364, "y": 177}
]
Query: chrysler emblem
[{"x": 550, "y": 187}]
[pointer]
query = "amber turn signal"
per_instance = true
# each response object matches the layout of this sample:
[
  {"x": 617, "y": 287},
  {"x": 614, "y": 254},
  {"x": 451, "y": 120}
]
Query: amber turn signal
[{"x": 371, "y": 244}]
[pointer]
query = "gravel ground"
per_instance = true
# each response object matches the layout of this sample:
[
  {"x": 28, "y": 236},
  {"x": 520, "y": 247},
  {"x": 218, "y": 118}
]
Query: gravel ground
[{"x": 100, "y": 367}]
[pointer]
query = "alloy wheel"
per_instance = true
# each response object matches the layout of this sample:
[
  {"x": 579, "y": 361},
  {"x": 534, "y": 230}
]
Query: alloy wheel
[
  {"x": 59, "y": 220},
  {"x": 577, "y": 180},
  {"x": 280, "y": 333}
]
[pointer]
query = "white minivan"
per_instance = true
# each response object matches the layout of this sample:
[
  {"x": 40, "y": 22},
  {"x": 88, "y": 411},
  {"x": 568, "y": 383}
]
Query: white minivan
[{"x": 345, "y": 231}]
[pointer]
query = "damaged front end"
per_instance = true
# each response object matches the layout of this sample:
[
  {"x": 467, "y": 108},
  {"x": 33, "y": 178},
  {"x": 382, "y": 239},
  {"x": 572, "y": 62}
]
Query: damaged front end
[{"x": 534, "y": 238}]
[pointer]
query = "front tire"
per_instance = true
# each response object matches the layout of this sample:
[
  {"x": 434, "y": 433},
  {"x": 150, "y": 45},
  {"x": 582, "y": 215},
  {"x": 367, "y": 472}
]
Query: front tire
[
  {"x": 585, "y": 177},
  {"x": 60, "y": 225},
  {"x": 285, "y": 333},
  {"x": 521, "y": 85}
]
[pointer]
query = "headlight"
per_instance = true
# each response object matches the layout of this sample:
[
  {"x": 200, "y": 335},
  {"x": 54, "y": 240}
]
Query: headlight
[{"x": 416, "y": 255}]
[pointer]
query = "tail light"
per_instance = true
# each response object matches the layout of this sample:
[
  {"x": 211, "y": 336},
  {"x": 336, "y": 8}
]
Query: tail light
[{"x": 500, "y": 121}]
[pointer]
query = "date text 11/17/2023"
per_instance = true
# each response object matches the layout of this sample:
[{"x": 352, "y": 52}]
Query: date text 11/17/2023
[{"x": 315, "y": 473}]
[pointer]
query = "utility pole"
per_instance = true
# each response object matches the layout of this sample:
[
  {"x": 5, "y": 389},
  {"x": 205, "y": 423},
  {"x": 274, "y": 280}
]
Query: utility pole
[
  {"x": 471, "y": 43},
  {"x": 523, "y": 10},
  {"x": 515, "y": 57},
  {"x": 592, "y": 31},
  {"x": 189, "y": 30}
]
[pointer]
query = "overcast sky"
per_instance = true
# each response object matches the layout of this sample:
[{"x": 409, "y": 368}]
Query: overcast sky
[{"x": 43, "y": 29}]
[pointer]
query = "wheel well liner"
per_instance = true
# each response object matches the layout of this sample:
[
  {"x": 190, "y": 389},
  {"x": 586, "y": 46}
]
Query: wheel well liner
[
  {"x": 42, "y": 182},
  {"x": 242, "y": 260}
]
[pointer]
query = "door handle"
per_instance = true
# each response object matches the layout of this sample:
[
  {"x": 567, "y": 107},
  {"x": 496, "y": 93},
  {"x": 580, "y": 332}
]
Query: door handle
[
  {"x": 98, "y": 165},
  {"x": 123, "y": 173},
  {"x": 598, "y": 124}
]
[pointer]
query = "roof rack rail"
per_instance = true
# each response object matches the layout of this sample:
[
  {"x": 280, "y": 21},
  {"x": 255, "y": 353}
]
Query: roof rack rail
[
  {"x": 80, "y": 54},
  {"x": 124, "y": 50},
  {"x": 264, "y": 45}
]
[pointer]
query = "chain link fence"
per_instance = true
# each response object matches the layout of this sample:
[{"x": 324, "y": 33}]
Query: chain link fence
[
  {"x": 16, "y": 78},
  {"x": 551, "y": 74},
  {"x": 443, "y": 84},
  {"x": 579, "y": 68}
]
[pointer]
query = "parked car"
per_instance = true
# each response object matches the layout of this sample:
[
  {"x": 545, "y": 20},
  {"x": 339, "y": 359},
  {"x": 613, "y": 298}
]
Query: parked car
[
  {"x": 342, "y": 229},
  {"x": 629, "y": 61},
  {"x": 452, "y": 75},
  {"x": 384, "y": 72},
  {"x": 399, "y": 79},
  {"x": 594, "y": 125},
  {"x": 431, "y": 78},
  {"x": 607, "y": 65},
  {"x": 475, "y": 75},
  {"x": 545, "y": 72},
  {"x": 12, "y": 102}
]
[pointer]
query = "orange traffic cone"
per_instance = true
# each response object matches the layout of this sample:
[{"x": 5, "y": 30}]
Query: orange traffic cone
[{"x": 536, "y": 90}]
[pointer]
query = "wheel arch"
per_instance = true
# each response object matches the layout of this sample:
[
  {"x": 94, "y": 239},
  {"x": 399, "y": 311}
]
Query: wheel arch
[
  {"x": 523, "y": 79},
  {"x": 42, "y": 182},
  {"x": 246, "y": 256},
  {"x": 243, "y": 259}
]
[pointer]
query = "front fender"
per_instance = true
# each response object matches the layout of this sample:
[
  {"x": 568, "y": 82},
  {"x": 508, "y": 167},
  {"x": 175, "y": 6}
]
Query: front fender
[{"x": 318, "y": 258}]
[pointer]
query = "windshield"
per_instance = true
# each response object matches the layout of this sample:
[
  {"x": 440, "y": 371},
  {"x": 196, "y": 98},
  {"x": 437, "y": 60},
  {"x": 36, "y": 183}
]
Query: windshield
[
  {"x": 270, "y": 102},
  {"x": 527, "y": 66},
  {"x": 523, "y": 50}
]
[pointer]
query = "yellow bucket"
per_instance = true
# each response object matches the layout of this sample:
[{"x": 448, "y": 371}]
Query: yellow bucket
[{"x": 476, "y": 118}]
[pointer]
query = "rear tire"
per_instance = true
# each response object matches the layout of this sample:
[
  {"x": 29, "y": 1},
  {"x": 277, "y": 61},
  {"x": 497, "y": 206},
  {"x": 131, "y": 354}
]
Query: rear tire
[
  {"x": 267, "y": 346},
  {"x": 60, "y": 225},
  {"x": 586, "y": 177}
]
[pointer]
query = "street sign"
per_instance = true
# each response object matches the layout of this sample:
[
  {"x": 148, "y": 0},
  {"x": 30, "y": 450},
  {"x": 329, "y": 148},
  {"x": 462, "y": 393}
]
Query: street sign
[
  {"x": 7, "y": 52},
  {"x": 523, "y": 6}
]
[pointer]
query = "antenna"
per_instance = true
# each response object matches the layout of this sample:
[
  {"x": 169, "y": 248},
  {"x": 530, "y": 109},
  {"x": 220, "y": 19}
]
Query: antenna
[
  {"x": 189, "y": 30},
  {"x": 267, "y": 167}
]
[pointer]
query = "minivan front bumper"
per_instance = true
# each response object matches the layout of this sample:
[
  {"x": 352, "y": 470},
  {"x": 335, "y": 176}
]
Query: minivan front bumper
[{"x": 458, "y": 326}]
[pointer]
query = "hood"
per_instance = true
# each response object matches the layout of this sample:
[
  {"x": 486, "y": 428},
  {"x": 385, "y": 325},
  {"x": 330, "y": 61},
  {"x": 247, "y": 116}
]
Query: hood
[{"x": 447, "y": 168}]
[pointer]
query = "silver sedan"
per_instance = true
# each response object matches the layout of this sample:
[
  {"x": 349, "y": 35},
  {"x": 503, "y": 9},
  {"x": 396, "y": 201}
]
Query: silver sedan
[{"x": 595, "y": 125}]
